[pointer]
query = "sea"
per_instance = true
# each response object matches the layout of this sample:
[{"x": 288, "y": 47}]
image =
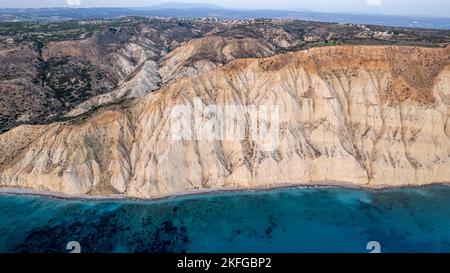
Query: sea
[{"x": 289, "y": 220}]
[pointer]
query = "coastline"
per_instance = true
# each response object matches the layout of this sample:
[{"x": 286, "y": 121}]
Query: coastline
[{"x": 192, "y": 193}]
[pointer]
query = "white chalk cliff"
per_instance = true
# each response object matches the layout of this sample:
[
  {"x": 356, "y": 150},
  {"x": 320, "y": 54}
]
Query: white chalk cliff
[{"x": 370, "y": 116}]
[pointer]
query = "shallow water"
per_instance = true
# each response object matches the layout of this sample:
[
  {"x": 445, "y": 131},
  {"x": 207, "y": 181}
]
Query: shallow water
[{"x": 283, "y": 220}]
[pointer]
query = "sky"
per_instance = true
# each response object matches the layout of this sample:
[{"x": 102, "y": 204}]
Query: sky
[{"x": 439, "y": 8}]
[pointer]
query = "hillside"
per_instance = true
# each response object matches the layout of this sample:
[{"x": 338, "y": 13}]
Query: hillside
[
  {"x": 370, "y": 116},
  {"x": 54, "y": 71}
]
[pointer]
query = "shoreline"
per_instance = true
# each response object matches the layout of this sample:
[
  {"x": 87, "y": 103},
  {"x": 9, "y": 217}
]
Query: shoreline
[{"x": 192, "y": 193}]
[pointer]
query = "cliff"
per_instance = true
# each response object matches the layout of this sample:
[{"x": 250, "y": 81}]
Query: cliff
[
  {"x": 67, "y": 69},
  {"x": 195, "y": 57},
  {"x": 371, "y": 116}
]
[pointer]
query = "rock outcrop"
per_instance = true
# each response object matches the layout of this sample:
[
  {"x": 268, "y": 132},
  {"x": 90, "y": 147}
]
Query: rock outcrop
[
  {"x": 192, "y": 58},
  {"x": 370, "y": 116}
]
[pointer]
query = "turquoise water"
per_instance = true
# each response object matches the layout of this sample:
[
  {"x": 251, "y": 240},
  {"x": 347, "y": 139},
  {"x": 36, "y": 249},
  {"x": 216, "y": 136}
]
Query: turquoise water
[{"x": 284, "y": 220}]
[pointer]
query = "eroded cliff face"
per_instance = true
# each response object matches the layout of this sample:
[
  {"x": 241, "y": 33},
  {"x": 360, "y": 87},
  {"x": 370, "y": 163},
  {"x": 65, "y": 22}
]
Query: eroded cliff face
[
  {"x": 192, "y": 58},
  {"x": 354, "y": 115}
]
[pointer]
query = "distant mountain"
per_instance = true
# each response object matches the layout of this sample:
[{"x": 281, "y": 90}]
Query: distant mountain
[
  {"x": 182, "y": 10},
  {"x": 178, "y": 5}
]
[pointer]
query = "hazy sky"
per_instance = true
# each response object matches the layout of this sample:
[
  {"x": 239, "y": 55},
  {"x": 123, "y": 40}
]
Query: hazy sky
[{"x": 400, "y": 7}]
